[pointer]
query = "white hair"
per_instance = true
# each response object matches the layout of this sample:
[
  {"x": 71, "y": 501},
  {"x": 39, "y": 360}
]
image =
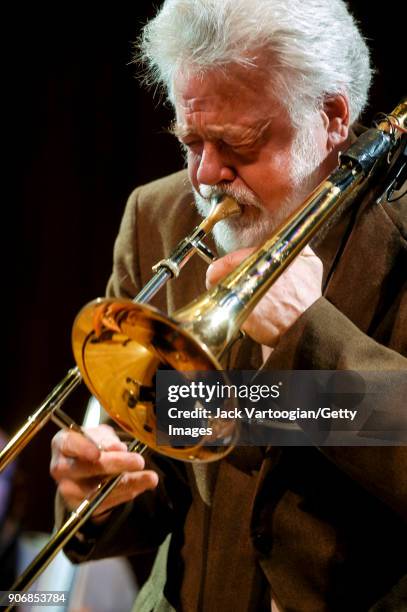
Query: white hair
[{"x": 314, "y": 46}]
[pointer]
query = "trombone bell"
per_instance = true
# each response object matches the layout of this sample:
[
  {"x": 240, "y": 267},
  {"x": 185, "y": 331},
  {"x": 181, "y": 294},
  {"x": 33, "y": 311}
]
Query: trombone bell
[{"x": 119, "y": 346}]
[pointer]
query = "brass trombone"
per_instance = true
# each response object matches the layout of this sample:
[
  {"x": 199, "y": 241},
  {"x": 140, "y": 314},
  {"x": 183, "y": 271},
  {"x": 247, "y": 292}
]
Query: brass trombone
[
  {"x": 119, "y": 344},
  {"x": 164, "y": 270}
]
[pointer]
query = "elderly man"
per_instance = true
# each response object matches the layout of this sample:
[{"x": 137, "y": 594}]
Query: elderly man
[{"x": 266, "y": 94}]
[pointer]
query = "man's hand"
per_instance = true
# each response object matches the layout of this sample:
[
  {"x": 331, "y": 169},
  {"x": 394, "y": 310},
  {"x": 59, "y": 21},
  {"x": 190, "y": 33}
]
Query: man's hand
[
  {"x": 296, "y": 290},
  {"x": 77, "y": 466}
]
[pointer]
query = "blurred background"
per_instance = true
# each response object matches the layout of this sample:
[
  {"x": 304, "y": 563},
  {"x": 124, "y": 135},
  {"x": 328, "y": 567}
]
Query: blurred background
[{"x": 79, "y": 133}]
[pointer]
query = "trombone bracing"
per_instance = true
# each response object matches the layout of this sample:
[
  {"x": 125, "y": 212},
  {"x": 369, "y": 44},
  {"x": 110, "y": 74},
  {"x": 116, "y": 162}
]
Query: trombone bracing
[
  {"x": 164, "y": 270},
  {"x": 119, "y": 344}
]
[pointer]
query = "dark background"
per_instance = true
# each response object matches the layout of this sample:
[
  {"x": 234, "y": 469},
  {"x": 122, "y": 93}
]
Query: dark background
[{"x": 79, "y": 133}]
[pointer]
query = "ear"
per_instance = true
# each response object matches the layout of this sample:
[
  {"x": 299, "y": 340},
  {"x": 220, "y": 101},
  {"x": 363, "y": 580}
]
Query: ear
[{"x": 335, "y": 117}]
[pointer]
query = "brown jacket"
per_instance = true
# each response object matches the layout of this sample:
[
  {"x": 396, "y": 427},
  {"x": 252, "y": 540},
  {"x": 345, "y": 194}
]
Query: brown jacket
[{"x": 323, "y": 528}]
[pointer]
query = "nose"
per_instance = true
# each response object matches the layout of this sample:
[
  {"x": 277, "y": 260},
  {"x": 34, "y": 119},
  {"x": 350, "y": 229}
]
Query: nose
[{"x": 213, "y": 166}]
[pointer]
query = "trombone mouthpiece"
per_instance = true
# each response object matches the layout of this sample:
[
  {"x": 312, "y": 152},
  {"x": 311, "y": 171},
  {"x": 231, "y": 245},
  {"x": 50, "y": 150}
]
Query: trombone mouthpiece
[
  {"x": 227, "y": 206},
  {"x": 222, "y": 208}
]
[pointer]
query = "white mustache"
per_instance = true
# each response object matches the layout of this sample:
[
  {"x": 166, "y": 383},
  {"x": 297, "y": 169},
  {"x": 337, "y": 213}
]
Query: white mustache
[{"x": 241, "y": 196}]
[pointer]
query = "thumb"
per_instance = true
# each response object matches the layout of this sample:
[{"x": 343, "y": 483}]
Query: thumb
[{"x": 221, "y": 267}]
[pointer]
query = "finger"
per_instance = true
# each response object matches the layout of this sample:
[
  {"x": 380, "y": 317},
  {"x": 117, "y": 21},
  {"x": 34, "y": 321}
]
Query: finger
[
  {"x": 106, "y": 437},
  {"x": 109, "y": 463},
  {"x": 74, "y": 444},
  {"x": 307, "y": 252},
  {"x": 309, "y": 258},
  {"x": 114, "y": 462},
  {"x": 131, "y": 485},
  {"x": 222, "y": 266}
]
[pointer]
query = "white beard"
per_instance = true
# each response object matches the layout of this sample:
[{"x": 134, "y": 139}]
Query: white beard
[{"x": 257, "y": 223}]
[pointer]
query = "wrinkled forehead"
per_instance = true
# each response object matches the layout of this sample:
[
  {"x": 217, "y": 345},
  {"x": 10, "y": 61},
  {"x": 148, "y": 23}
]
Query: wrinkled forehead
[{"x": 235, "y": 93}]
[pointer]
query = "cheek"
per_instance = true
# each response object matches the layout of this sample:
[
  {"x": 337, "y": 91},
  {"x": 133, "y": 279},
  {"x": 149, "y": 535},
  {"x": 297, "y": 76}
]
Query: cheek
[{"x": 269, "y": 177}]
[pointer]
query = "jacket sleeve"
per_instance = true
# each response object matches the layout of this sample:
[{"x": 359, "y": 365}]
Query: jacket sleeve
[
  {"x": 325, "y": 339},
  {"x": 137, "y": 527}
]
